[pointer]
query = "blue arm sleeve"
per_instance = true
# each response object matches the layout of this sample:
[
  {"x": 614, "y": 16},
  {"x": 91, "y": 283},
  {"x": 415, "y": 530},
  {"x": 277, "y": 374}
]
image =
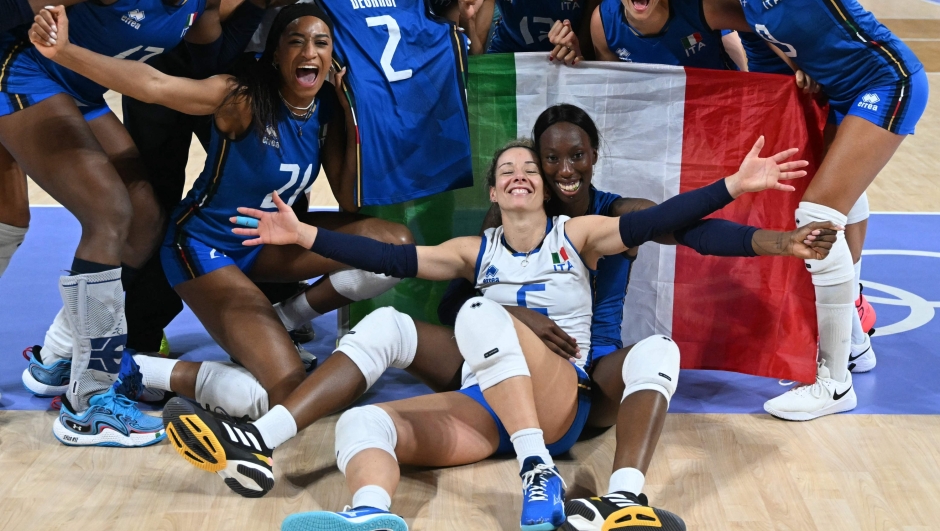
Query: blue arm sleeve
[
  {"x": 14, "y": 13},
  {"x": 219, "y": 55},
  {"x": 399, "y": 261},
  {"x": 673, "y": 214},
  {"x": 718, "y": 237}
]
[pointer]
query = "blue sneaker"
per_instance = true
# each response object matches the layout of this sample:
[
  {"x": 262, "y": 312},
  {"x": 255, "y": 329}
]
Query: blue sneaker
[
  {"x": 130, "y": 382},
  {"x": 358, "y": 519},
  {"x": 543, "y": 496},
  {"x": 45, "y": 380},
  {"x": 110, "y": 420}
]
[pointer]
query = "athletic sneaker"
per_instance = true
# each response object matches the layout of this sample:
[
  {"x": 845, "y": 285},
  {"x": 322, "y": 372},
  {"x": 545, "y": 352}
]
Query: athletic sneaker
[
  {"x": 862, "y": 357},
  {"x": 810, "y": 401},
  {"x": 164, "y": 351},
  {"x": 543, "y": 496},
  {"x": 304, "y": 333},
  {"x": 623, "y": 511},
  {"x": 110, "y": 420},
  {"x": 358, "y": 519},
  {"x": 45, "y": 380},
  {"x": 215, "y": 442},
  {"x": 866, "y": 313}
]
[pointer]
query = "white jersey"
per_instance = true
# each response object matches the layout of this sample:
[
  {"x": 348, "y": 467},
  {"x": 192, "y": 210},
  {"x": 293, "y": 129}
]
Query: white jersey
[{"x": 552, "y": 280}]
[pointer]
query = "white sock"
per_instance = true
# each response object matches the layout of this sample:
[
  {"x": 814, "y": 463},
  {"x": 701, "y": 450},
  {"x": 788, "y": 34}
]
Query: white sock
[
  {"x": 295, "y": 311},
  {"x": 156, "y": 371},
  {"x": 58, "y": 342},
  {"x": 372, "y": 496},
  {"x": 627, "y": 480},
  {"x": 276, "y": 427},
  {"x": 530, "y": 443},
  {"x": 835, "y": 327},
  {"x": 858, "y": 335}
]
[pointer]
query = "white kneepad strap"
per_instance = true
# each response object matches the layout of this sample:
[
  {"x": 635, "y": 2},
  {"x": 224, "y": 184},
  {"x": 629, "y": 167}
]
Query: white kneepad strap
[
  {"x": 231, "y": 388},
  {"x": 836, "y": 268},
  {"x": 652, "y": 364},
  {"x": 859, "y": 212},
  {"x": 384, "y": 338},
  {"x": 359, "y": 285},
  {"x": 488, "y": 342},
  {"x": 363, "y": 428}
]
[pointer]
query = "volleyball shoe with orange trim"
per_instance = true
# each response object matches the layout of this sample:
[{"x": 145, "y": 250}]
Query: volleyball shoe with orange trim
[{"x": 618, "y": 511}]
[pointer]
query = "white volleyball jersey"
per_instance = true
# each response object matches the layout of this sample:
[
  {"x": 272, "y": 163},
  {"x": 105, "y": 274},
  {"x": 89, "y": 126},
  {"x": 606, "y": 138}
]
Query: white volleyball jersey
[{"x": 552, "y": 280}]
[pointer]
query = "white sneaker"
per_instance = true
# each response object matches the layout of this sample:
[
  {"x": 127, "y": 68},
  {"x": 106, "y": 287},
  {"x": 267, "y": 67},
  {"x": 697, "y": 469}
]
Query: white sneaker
[
  {"x": 807, "y": 402},
  {"x": 862, "y": 357}
]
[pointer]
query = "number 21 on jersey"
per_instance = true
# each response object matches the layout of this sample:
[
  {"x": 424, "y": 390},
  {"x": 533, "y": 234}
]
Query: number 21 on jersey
[{"x": 294, "y": 170}]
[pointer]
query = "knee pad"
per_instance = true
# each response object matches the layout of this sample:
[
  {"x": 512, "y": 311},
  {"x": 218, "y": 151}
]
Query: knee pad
[
  {"x": 837, "y": 267},
  {"x": 859, "y": 212},
  {"x": 231, "y": 388},
  {"x": 384, "y": 338},
  {"x": 10, "y": 239},
  {"x": 652, "y": 364},
  {"x": 359, "y": 285},
  {"x": 363, "y": 428},
  {"x": 488, "y": 342}
]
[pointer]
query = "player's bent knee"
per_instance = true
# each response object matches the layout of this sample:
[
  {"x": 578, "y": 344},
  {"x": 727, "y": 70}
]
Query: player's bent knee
[
  {"x": 652, "y": 364},
  {"x": 836, "y": 268},
  {"x": 384, "y": 338},
  {"x": 488, "y": 341},
  {"x": 860, "y": 211},
  {"x": 232, "y": 388},
  {"x": 364, "y": 428},
  {"x": 359, "y": 285}
]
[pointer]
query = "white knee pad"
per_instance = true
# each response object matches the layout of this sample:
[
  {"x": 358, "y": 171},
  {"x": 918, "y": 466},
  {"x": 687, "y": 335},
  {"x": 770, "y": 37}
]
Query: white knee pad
[
  {"x": 384, "y": 338},
  {"x": 652, "y": 364},
  {"x": 10, "y": 239},
  {"x": 362, "y": 428},
  {"x": 488, "y": 342},
  {"x": 837, "y": 267},
  {"x": 859, "y": 212},
  {"x": 232, "y": 388},
  {"x": 359, "y": 285}
]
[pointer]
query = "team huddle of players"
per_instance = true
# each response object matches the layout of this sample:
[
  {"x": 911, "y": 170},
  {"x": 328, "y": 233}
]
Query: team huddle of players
[{"x": 373, "y": 92}]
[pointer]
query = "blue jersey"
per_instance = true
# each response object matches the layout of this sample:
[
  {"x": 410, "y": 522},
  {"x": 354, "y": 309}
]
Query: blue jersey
[
  {"x": 609, "y": 283},
  {"x": 127, "y": 29},
  {"x": 760, "y": 58},
  {"x": 685, "y": 40},
  {"x": 837, "y": 42},
  {"x": 244, "y": 171},
  {"x": 406, "y": 80},
  {"x": 523, "y": 25}
]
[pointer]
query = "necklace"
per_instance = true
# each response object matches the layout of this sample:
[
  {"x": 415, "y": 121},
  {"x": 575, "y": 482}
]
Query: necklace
[
  {"x": 525, "y": 259},
  {"x": 303, "y": 113}
]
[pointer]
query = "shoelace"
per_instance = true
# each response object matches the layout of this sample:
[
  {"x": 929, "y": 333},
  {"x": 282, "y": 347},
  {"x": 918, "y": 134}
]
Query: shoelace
[
  {"x": 534, "y": 480},
  {"x": 127, "y": 407}
]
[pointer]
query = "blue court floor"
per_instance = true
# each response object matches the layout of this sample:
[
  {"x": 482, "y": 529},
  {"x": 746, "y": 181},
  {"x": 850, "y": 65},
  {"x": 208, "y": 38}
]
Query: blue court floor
[{"x": 901, "y": 273}]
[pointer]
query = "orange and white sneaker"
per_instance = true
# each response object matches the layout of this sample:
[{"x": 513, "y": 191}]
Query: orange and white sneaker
[{"x": 866, "y": 313}]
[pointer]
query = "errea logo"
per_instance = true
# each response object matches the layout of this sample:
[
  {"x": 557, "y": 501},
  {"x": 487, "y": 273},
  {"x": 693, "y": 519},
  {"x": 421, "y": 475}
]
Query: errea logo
[
  {"x": 870, "y": 101},
  {"x": 133, "y": 18},
  {"x": 624, "y": 55}
]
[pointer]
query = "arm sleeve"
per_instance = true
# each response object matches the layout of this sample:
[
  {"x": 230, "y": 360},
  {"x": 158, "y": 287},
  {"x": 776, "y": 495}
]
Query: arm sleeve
[
  {"x": 673, "y": 214},
  {"x": 718, "y": 237},
  {"x": 399, "y": 261},
  {"x": 14, "y": 13},
  {"x": 459, "y": 291},
  {"x": 219, "y": 55}
]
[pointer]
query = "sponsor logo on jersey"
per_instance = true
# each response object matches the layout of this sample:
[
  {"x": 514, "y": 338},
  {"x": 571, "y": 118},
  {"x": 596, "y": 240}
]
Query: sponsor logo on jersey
[
  {"x": 624, "y": 55},
  {"x": 271, "y": 138},
  {"x": 692, "y": 44},
  {"x": 489, "y": 276},
  {"x": 133, "y": 18},
  {"x": 769, "y": 3},
  {"x": 870, "y": 101},
  {"x": 362, "y": 4},
  {"x": 560, "y": 261}
]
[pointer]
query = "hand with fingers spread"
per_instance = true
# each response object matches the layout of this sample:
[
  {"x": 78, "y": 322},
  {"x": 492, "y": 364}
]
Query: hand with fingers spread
[
  {"x": 273, "y": 228},
  {"x": 548, "y": 331},
  {"x": 50, "y": 31},
  {"x": 567, "y": 46},
  {"x": 757, "y": 174}
]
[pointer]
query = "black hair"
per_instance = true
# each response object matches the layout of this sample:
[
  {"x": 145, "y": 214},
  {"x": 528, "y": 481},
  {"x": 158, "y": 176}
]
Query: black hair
[
  {"x": 260, "y": 82},
  {"x": 564, "y": 112},
  {"x": 512, "y": 144}
]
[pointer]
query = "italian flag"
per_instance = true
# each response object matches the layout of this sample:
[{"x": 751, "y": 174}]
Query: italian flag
[
  {"x": 560, "y": 256},
  {"x": 666, "y": 130},
  {"x": 691, "y": 40}
]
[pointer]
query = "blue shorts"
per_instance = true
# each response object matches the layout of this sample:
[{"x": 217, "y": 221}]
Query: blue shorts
[
  {"x": 598, "y": 352},
  {"x": 570, "y": 437},
  {"x": 896, "y": 108},
  {"x": 185, "y": 257}
]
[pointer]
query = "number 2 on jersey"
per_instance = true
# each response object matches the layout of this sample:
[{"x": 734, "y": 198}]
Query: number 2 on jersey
[
  {"x": 394, "y": 37},
  {"x": 294, "y": 170}
]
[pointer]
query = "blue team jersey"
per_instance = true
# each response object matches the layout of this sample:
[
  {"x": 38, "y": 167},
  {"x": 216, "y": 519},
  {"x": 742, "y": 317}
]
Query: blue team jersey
[
  {"x": 128, "y": 29},
  {"x": 406, "y": 80},
  {"x": 685, "y": 40},
  {"x": 609, "y": 283},
  {"x": 760, "y": 58},
  {"x": 523, "y": 25},
  {"x": 837, "y": 42}
]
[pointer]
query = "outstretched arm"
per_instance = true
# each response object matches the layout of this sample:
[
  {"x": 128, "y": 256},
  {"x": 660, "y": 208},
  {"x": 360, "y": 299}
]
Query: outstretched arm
[{"x": 50, "y": 35}]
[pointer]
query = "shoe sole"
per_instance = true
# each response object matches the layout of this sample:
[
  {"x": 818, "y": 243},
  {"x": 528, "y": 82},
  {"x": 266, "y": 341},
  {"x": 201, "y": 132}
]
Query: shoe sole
[
  {"x": 192, "y": 438},
  {"x": 547, "y": 526},
  {"x": 40, "y": 389},
  {"x": 863, "y": 364},
  {"x": 323, "y": 521},
  {"x": 848, "y": 403},
  {"x": 106, "y": 437}
]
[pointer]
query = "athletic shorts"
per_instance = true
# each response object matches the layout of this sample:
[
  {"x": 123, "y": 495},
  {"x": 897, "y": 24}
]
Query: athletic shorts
[
  {"x": 896, "y": 108},
  {"x": 570, "y": 437},
  {"x": 185, "y": 257},
  {"x": 598, "y": 352}
]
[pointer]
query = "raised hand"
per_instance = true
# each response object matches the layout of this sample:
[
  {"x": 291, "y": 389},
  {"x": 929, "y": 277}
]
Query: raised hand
[
  {"x": 567, "y": 47},
  {"x": 270, "y": 228},
  {"x": 50, "y": 31},
  {"x": 757, "y": 174}
]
